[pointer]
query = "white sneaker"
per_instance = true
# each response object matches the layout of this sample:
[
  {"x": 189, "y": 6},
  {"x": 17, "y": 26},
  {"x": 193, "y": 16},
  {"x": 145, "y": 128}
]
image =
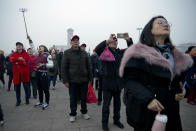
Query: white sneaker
[
  {"x": 1, "y": 123},
  {"x": 86, "y": 116},
  {"x": 38, "y": 104},
  {"x": 45, "y": 106},
  {"x": 72, "y": 119}
]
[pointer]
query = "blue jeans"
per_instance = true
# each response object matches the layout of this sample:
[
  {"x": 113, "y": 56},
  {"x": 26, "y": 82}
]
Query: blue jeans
[
  {"x": 26, "y": 86},
  {"x": 53, "y": 79}
]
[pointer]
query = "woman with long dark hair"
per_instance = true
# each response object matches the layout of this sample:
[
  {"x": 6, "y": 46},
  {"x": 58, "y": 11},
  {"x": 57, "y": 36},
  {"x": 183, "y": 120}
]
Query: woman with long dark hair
[{"x": 153, "y": 71}]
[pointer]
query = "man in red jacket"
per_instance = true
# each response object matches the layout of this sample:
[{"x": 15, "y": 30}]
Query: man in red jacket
[
  {"x": 32, "y": 65},
  {"x": 21, "y": 72}
]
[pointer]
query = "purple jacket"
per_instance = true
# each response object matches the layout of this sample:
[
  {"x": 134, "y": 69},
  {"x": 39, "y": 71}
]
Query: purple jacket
[{"x": 45, "y": 59}]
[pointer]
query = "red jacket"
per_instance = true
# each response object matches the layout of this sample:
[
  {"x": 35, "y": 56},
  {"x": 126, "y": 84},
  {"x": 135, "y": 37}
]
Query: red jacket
[
  {"x": 32, "y": 63},
  {"x": 21, "y": 72}
]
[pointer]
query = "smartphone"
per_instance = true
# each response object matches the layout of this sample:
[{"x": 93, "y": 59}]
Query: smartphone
[
  {"x": 180, "y": 90},
  {"x": 120, "y": 35},
  {"x": 184, "y": 85}
]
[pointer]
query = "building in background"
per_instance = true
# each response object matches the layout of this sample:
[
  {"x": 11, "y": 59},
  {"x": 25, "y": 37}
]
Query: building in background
[
  {"x": 69, "y": 36},
  {"x": 64, "y": 46}
]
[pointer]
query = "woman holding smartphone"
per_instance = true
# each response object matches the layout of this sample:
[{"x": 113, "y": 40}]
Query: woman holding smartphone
[{"x": 153, "y": 70}]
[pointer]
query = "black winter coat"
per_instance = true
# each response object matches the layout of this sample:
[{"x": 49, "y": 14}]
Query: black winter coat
[
  {"x": 190, "y": 78},
  {"x": 96, "y": 64},
  {"x": 59, "y": 59},
  {"x": 110, "y": 70},
  {"x": 9, "y": 66},
  {"x": 76, "y": 66},
  {"x": 147, "y": 76},
  {"x": 2, "y": 64}
]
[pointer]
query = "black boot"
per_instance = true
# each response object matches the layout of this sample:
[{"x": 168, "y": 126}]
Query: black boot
[
  {"x": 27, "y": 101},
  {"x": 18, "y": 103},
  {"x": 119, "y": 124},
  {"x": 99, "y": 103},
  {"x": 105, "y": 127}
]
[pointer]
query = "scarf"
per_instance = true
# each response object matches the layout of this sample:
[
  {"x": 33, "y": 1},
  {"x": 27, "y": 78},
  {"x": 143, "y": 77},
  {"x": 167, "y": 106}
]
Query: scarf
[{"x": 165, "y": 50}]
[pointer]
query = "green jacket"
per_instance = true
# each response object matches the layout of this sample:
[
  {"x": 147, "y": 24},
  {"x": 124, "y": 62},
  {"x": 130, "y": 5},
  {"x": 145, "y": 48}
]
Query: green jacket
[
  {"x": 76, "y": 66},
  {"x": 53, "y": 71}
]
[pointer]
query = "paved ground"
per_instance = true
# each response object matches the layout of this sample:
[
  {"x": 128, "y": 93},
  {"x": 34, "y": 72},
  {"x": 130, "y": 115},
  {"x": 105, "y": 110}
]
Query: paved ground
[{"x": 56, "y": 118}]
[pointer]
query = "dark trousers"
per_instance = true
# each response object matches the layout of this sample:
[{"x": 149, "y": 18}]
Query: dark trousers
[
  {"x": 26, "y": 86},
  {"x": 2, "y": 78},
  {"x": 96, "y": 84},
  {"x": 60, "y": 77},
  {"x": 34, "y": 87},
  {"x": 100, "y": 90},
  {"x": 82, "y": 88},
  {"x": 10, "y": 80},
  {"x": 192, "y": 95},
  {"x": 1, "y": 114},
  {"x": 42, "y": 85},
  {"x": 60, "y": 73},
  {"x": 107, "y": 96},
  {"x": 53, "y": 79}
]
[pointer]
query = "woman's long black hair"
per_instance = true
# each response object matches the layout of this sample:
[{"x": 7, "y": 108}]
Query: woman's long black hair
[{"x": 147, "y": 37}]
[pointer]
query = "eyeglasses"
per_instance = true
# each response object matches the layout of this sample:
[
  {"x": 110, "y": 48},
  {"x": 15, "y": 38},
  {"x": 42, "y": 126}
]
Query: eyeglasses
[{"x": 162, "y": 23}]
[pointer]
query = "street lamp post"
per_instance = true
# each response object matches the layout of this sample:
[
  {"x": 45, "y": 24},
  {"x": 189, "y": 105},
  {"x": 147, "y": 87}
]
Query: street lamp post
[
  {"x": 23, "y": 10},
  {"x": 139, "y": 29}
]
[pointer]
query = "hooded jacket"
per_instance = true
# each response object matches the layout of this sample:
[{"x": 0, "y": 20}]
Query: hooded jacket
[
  {"x": 21, "y": 70},
  {"x": 148, "y": 75}
]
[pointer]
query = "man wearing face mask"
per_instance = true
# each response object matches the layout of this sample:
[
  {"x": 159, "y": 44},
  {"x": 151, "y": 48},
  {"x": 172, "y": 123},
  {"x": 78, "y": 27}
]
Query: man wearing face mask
[
  {"x": 111, "y": 82},
  {"x": 21, "y": 72}
]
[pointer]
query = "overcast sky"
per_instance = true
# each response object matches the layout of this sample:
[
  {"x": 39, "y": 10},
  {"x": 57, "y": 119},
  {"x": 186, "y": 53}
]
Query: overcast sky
[{"x": 92, "y": 20}]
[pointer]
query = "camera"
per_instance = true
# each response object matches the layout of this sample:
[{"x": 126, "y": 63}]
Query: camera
[{"x": 120, "y": 35}]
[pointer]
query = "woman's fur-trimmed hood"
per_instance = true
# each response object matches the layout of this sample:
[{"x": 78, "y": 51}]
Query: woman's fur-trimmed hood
[{"x": 182, "y": 61}]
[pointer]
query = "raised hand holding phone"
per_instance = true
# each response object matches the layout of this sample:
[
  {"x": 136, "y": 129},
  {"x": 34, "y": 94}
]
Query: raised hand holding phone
[
  {"x": 111, "y": 38},
  {"x": 123, "y": 36},
  {"x": 126, "y": 36}
]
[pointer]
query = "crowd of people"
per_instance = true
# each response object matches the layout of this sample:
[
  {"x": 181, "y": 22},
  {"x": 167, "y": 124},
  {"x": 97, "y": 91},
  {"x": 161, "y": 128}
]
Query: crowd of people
[{"x": 154, "y": 74}]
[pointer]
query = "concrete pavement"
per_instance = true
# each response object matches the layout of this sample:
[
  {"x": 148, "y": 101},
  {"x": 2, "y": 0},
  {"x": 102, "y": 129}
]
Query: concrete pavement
[{"x": 56, "y": 118}]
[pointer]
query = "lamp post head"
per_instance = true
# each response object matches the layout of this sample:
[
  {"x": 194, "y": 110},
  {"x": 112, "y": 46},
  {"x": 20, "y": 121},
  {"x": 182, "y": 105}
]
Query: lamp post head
[
  {"x": 139, "y": 28},
  {"x": 23, "y": 10}
]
